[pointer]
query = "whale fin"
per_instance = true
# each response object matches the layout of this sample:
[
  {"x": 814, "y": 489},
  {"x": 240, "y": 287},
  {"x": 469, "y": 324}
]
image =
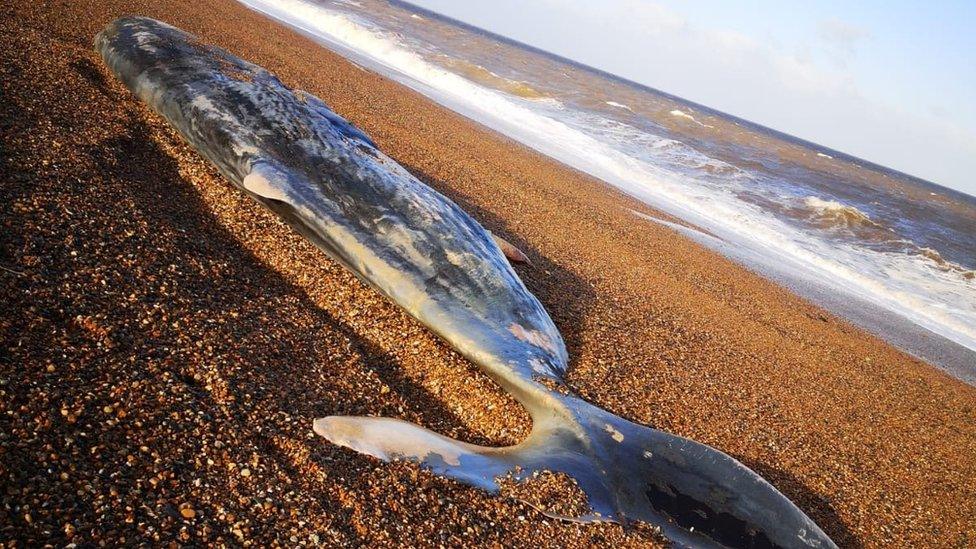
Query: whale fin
[
  {"x": 391, "y": 439},
  {"x": 513, "y": 254},
  {"x": 266, "y": 182}
]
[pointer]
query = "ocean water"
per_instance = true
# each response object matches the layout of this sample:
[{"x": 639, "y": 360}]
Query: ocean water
[{"x": 891, "y": 252}]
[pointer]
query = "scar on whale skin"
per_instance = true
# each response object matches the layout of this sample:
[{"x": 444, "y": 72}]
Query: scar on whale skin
[
  {"x": 614, "y": 433},
  {"x": 443, "y": 268},
  {"x": 534, "y": 337}
]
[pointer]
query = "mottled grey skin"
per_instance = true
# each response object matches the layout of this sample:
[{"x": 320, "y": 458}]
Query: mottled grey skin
[{"x": 329, "y": 181}]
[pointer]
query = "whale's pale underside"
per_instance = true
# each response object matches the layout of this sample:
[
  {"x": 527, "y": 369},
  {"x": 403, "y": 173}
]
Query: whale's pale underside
[{"x": 329, "y": 181}]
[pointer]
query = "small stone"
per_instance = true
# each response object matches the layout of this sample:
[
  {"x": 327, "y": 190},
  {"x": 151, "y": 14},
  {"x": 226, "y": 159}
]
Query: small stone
[
  {"x": 245, "y": 472},
  {"x": 188, "y": 512}
]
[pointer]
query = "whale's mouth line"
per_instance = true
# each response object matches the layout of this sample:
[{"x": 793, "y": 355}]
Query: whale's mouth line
[{"x": 331, "y": 190}]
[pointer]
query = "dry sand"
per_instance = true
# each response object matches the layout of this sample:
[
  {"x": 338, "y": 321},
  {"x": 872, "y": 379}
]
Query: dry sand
[{"x": 166, "y": 343}]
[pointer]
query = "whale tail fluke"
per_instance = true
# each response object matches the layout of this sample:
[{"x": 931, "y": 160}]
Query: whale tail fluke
[
  {"x": 392, "y": 439},
  {"x": 696, "y": 495}
]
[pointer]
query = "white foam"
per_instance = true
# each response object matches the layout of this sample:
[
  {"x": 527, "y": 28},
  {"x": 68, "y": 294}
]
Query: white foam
[
  {"x": 833, "y": 207},
  {"x": 646, "y": 166},
  {"x": 683, "y": 114},
  {"x": 821, "y": 204}
]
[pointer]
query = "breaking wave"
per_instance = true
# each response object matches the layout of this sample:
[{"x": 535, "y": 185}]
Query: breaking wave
[
  {"x": 833, "y": 214},
  {"x": 682, "y": 114},
  {"x": 483, "y": 76},
  {"x": 619, "y": 105}
]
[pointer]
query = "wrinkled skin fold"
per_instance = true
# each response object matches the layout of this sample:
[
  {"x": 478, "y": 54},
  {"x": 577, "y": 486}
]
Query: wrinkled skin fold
[{"x": 329, "y": 181}]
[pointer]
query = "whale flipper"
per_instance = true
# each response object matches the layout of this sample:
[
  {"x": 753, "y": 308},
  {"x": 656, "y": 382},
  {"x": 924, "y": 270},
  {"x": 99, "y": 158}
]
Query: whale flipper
[
  {"x": 513, "y": 254},
  {"x": 266, "y": 182}
]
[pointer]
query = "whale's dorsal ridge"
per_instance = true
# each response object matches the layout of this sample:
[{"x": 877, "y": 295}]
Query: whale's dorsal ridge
[{"x": 337, "y": 121}]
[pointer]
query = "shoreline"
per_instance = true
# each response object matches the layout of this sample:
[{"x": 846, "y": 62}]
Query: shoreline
[
  {"x": 902, "y": 333},
  {"x": 167, "y": 334}
]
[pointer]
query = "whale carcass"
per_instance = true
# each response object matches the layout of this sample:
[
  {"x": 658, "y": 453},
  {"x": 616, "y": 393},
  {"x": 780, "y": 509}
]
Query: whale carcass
[{"x": 330, "y": 182}]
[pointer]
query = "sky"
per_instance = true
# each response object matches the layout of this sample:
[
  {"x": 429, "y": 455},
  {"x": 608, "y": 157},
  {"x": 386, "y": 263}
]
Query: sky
[{"x": 891, "y": 82}]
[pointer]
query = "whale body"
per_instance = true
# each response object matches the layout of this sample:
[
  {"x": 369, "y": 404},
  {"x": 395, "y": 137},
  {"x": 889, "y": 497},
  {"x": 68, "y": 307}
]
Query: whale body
[{"x": 329, "y": 181}]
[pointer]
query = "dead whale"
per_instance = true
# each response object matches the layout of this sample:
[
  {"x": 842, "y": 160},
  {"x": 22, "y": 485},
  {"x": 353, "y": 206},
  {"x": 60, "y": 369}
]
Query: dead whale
[{"x": 329, "y": 181}]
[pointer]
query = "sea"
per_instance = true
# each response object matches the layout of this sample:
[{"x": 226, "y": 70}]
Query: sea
[{"x": 889, "y": 252}]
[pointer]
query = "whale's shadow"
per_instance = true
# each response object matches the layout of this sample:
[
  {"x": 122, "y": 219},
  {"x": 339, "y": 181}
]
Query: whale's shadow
[
  {"x": 281, "y": 375},
  {"x": 270, "y": 377},
  {"x": 817, "y": 506}
]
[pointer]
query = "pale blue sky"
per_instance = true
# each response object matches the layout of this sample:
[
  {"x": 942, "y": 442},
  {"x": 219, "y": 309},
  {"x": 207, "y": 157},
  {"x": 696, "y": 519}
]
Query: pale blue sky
[{"x": 891, "y": 82}]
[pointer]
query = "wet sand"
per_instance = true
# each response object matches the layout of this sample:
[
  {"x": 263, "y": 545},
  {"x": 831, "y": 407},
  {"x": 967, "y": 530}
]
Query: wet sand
[{"x": 166, "y": 343}]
